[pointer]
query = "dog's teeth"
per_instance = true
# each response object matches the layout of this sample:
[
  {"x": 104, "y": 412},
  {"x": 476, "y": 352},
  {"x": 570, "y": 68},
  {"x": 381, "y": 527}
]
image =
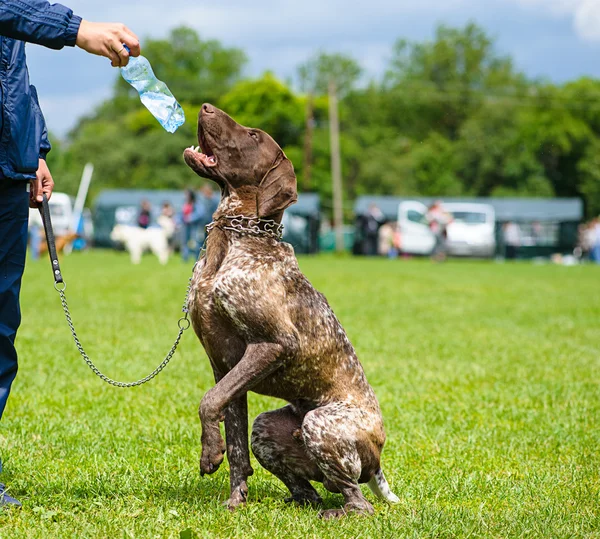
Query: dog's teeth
[{"x": 197, "y": 149}]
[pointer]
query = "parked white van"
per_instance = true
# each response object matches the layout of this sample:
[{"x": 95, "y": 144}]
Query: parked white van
[
  {"x": 472, "y": 230},
  {"x": 471, "y": 233}
]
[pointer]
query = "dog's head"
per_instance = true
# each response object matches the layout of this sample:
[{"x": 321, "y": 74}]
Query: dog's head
[
  {"x": 244, "y": 162},
  {"x": 118, "y": 234}
]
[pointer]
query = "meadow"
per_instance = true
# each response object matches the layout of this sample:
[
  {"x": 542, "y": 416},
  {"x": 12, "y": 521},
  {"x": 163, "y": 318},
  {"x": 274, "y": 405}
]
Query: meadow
[{"x": 487, "y": 374}]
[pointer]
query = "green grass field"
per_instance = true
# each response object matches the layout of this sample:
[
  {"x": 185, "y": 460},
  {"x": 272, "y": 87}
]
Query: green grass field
[{"x": 487, "y": 374}]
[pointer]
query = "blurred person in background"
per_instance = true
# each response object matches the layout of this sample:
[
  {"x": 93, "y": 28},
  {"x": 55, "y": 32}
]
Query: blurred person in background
[
  {"x": 594, "y": 236},
  {"x": 192, "y": 215},
  {"x": 24, "y": 145},
  {"x": 389, "y": 239},
  {"x": 585, "y": 241},
  {"x": 511, "y": 235},
  {"x": 166, "y": 220},
  {"x": 144, "y": 217},
  {"x": 371, "y": 222},
  {"x": 438, "y": 219},
  {"x": 211, "y": 203}
]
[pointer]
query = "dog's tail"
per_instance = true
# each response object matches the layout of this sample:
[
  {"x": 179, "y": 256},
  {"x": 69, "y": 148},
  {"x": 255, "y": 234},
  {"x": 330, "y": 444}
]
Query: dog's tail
[{"x": 379, "y": 486}]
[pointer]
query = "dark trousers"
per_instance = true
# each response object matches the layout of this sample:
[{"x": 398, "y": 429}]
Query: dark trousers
[
  {"x": 14, "y": 213},
  {"x": 511, "y": 252}
]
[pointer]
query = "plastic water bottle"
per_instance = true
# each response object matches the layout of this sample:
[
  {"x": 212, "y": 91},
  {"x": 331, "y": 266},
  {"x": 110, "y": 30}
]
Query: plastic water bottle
[{"x": 155, "y": 95}]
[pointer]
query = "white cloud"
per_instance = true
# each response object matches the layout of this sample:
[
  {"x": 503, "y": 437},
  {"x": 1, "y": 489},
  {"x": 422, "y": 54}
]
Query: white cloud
[
  {"x": 585, "y": 14},
  {"x": 587, "y": 20}
]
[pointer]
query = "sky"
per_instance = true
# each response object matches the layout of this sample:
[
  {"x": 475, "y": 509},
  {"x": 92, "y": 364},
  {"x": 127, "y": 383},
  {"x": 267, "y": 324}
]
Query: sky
[{"x": 557, "y": 40}]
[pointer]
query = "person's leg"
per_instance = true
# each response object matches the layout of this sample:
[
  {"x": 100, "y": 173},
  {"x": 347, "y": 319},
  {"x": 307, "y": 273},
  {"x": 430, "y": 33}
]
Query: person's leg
[
  {"x": 195, "y": 241},
  {"x": 185, "y": 239},
  {"x": 14, "y": 212}
]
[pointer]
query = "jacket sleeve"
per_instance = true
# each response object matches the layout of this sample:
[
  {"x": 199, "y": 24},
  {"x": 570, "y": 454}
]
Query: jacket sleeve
[
  {"x": 39, "y": 22},
  {"x": 45, "y": 146}
]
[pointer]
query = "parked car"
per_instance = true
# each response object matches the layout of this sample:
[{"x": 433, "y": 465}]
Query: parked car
[{"x": 471, "y": 232}]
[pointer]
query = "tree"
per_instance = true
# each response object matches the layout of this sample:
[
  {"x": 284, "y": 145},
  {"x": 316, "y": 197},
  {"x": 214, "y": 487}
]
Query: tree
[
  {"x": 442, "y": 82},
  {"x": 450, "y": 117},
  {"x": 125, "y": 142},
  {"x": 268, "y": 104},
  {"x": 197, "y": 71},
  {"x": 316, "y": 73}
]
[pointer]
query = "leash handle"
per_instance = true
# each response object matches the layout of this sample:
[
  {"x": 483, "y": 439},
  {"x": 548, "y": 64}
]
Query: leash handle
[{"x": 50, "y": 240}]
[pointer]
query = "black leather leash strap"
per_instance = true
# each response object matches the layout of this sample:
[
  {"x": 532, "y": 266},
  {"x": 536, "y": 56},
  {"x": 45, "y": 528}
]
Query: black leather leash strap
[{"x": 50, "y": 240}]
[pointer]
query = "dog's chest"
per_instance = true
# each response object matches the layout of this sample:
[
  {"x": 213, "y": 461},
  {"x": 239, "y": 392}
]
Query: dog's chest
[{"x": 242, "y": 281}]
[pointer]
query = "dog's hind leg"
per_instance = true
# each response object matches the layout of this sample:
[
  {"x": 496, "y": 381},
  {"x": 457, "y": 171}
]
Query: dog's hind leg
[
  {"x": 277, "y": 444},
  {"x": 345, "y": 442}
]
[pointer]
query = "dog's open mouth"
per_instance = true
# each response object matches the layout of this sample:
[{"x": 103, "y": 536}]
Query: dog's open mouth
[
  {"x": 195, "y": 154},
  {"x": 202, "y": 153}
]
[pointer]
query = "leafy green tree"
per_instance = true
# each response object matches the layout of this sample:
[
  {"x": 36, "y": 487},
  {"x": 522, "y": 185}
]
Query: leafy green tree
[
  {"x": 449, "y": 117},
  {"x": 444, "y": 81},
  {"x": 196, "y": 70},
  {"x": 316, "y": 73},
  {"x": 268, "y": 104},
  {"x": 589, "y": 172},
  {"x": 124, "y": 141}
]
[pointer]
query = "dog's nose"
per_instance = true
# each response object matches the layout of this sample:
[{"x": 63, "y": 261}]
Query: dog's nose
[{"x": 207, "y": 108}]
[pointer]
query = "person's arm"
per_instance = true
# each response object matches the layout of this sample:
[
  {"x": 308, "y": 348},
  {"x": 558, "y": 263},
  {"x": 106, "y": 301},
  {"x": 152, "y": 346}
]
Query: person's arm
[
  {"x": 43, "y": 182},
  {"x": 38, "y": 21},
  {"x": 55, "y": 26}
]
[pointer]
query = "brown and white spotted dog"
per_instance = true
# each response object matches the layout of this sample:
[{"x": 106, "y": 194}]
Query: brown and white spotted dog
[{"x": 267, "y": 330}]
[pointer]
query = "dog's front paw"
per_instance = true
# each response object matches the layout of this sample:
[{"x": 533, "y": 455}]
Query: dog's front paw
[
  {"x": 238, "y": 497},
  {"x": 213, "y": 451}
]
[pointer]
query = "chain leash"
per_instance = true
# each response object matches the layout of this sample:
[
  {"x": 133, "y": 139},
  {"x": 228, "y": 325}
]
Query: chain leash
[
  {"x": 240, "y": 224},
  {"x": 183, "y": 324}
]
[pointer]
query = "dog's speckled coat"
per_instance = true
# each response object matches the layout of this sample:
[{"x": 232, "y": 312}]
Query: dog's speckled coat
[{"x": 267, "y": 330}]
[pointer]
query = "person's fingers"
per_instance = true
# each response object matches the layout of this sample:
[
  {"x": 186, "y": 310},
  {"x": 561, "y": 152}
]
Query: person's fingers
[
  {"x": 132, "y": 41},
  {"x": 130, "y": 32},
  {"x": 35, "y": 192},
  {"x": 111, "y": 54},
  {"x": 123, "y": 55},
  {"x": 48, "y": 186}
]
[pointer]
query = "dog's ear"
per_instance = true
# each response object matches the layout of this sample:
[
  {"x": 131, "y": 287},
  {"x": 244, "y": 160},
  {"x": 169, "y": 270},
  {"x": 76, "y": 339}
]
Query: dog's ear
[{"x": 277, "y": 190}]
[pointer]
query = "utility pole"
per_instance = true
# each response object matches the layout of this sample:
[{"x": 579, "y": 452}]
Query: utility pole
[
  {"x": 336, "y": 167},
  {"x": 310, "y": 120}
]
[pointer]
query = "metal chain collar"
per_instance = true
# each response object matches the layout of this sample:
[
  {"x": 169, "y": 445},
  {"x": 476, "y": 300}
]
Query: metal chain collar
[{"x": 249, "y": 225}]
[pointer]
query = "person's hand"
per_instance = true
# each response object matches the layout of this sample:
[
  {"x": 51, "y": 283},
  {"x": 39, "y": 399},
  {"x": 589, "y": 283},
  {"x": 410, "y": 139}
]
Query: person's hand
[
  {"x": 107, "y": 39},
  {"x": 43, "y": 183}
]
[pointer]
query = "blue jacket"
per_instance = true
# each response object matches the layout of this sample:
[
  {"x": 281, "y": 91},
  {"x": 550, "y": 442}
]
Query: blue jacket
[{"x": 23, "y": 134}]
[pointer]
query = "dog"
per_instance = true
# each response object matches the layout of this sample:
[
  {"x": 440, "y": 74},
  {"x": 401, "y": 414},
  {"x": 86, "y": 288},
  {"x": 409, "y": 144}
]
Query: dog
[
  {"x": 266, "y": 329},
  {"x": 138, "y": 240},
  {"x": 61, "y": 242}
]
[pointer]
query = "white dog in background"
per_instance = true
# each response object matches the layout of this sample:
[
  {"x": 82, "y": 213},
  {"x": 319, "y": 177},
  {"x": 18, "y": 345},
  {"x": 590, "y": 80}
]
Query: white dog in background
[{"x": 138, "y": 240}]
